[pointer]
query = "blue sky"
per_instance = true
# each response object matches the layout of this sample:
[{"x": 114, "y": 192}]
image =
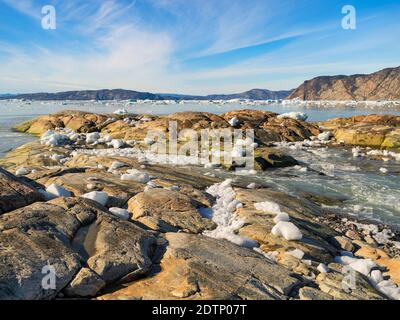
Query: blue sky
[{"x": 191, "y": 46}]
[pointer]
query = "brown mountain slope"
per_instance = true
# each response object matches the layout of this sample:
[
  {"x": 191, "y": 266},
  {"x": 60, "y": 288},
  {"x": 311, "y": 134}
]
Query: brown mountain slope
[{"x": 381, "y": 85}]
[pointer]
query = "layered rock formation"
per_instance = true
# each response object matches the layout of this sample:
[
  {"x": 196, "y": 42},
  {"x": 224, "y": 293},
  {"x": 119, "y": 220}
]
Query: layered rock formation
[
  {"x": 381, "y": 85},
  {"x": 179, "y": 240},
  {"x": 377, "y": 131}
]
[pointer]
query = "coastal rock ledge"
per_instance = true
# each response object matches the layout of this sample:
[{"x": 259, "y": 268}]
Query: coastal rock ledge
[{"x": 110, "y": 224}]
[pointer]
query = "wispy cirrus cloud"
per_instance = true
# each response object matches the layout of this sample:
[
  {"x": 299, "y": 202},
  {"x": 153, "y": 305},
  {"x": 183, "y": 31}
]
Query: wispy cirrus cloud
[{"x": 191, "y": 46}]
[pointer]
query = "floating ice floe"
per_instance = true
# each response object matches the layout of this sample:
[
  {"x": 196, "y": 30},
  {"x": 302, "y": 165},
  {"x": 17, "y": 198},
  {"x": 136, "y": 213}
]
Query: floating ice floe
[
  {"x": 123, "y": 214},
  {"x": 98, "y": 196},
  {"x": 136, "y": 175},
  {"x": 383, "y": 170},
  {"x": 22, "y": 171},
  {"x": 223, "y": 214},
  {"x": 294, "y": 115},
  {"x": 58, "y": 191},
  {"x": 287, "y": 230},
  {"x": 121, "y": 112}
]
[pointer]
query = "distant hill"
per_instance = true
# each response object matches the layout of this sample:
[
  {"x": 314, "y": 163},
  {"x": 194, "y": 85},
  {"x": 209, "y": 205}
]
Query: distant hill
[
  {"x": 105, "y": 94},
  {"x": 120, "y": 94},
  {"x": 381, "y": 85},
  {"x": 255, "y": 94}
]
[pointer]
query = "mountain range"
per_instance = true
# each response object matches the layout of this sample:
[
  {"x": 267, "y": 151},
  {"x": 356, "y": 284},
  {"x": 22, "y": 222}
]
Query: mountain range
[
  {"x": 121, "y": 94},
  {"x": 381, "y": 85}
]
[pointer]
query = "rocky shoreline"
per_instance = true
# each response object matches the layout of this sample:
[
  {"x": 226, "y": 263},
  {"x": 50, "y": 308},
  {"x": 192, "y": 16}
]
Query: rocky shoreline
[{"x": 114, "y": 223}]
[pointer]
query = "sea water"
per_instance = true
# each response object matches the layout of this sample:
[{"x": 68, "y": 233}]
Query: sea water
[{"x": 363, "y": 189}]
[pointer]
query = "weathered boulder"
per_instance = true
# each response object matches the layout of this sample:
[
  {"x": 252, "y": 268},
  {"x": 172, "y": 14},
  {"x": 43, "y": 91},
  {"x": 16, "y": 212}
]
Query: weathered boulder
[
  {"x": 79, "y": 121},
  {"x": 249, "y": 118},
  {"x": 377, "y": 131},
  {"x": 265, "y": 158},
  {"x": 15, "y": 193},
  {"x": 63, "y": 235},
  {"x": 32, "y": 155},
  {"x": 116, "y": 250},
  {"x": 85, "y": 284},
  {"x": 286, "y": 129},
  {"x": 198, "y": 267},
  {"x": 338, "y": 286},
  {"x": 80, "y": 183},
  {"x": 379, "y": 256},
  {"x": 309, "y": 293},
  {"x": 32, "y": 238},
  {"x": 167, "y": 210},
  {"x": 258, "y": 225}
]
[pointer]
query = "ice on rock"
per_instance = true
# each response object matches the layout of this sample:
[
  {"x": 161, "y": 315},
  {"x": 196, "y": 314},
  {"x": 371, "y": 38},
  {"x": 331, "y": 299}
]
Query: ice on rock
[
  {"x": 268, "y": 207},
  {"x": 323, "y": 268},
  {"x": 345, "y": 260},
  {"x": 223, "y": 214},
  {"x": 211, "y": 165},
  {"x": 287, "y": 230},
  {"x": 54, "y": 139},
  {"x": 92, "y": 137},
  {"x": 22, "y": 171},
  {"x": 297, "y": 253},
  {"x": 388, "y": 288},
  {"x": 47, "y": 196},
  {"x": 151, "y": 185},
  {"x": 98, "y": 196},
  {"x": 136, "y": 175},
  {"x": 149, "y": 141},
  {"x": 121, "y": 112},
  {"x": 376, "y": 277},
  {"x": 363, "y": 266},
  {"x": 123, "y": 214},
  {"x": 107, "y": 138},
  {"x": 294, "y": 115},
  {"x": 117, "y": 143},
  {"x": 58, "y": 191},
  {"x": 282, "y": 217},
  {"x": 234, "y": 121},
  {"x": 325, "y": 136},
  {"x": 238, "y": 152},
  {"x": 57, "y": 157},
  {"x": 116, "y": 165}
]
